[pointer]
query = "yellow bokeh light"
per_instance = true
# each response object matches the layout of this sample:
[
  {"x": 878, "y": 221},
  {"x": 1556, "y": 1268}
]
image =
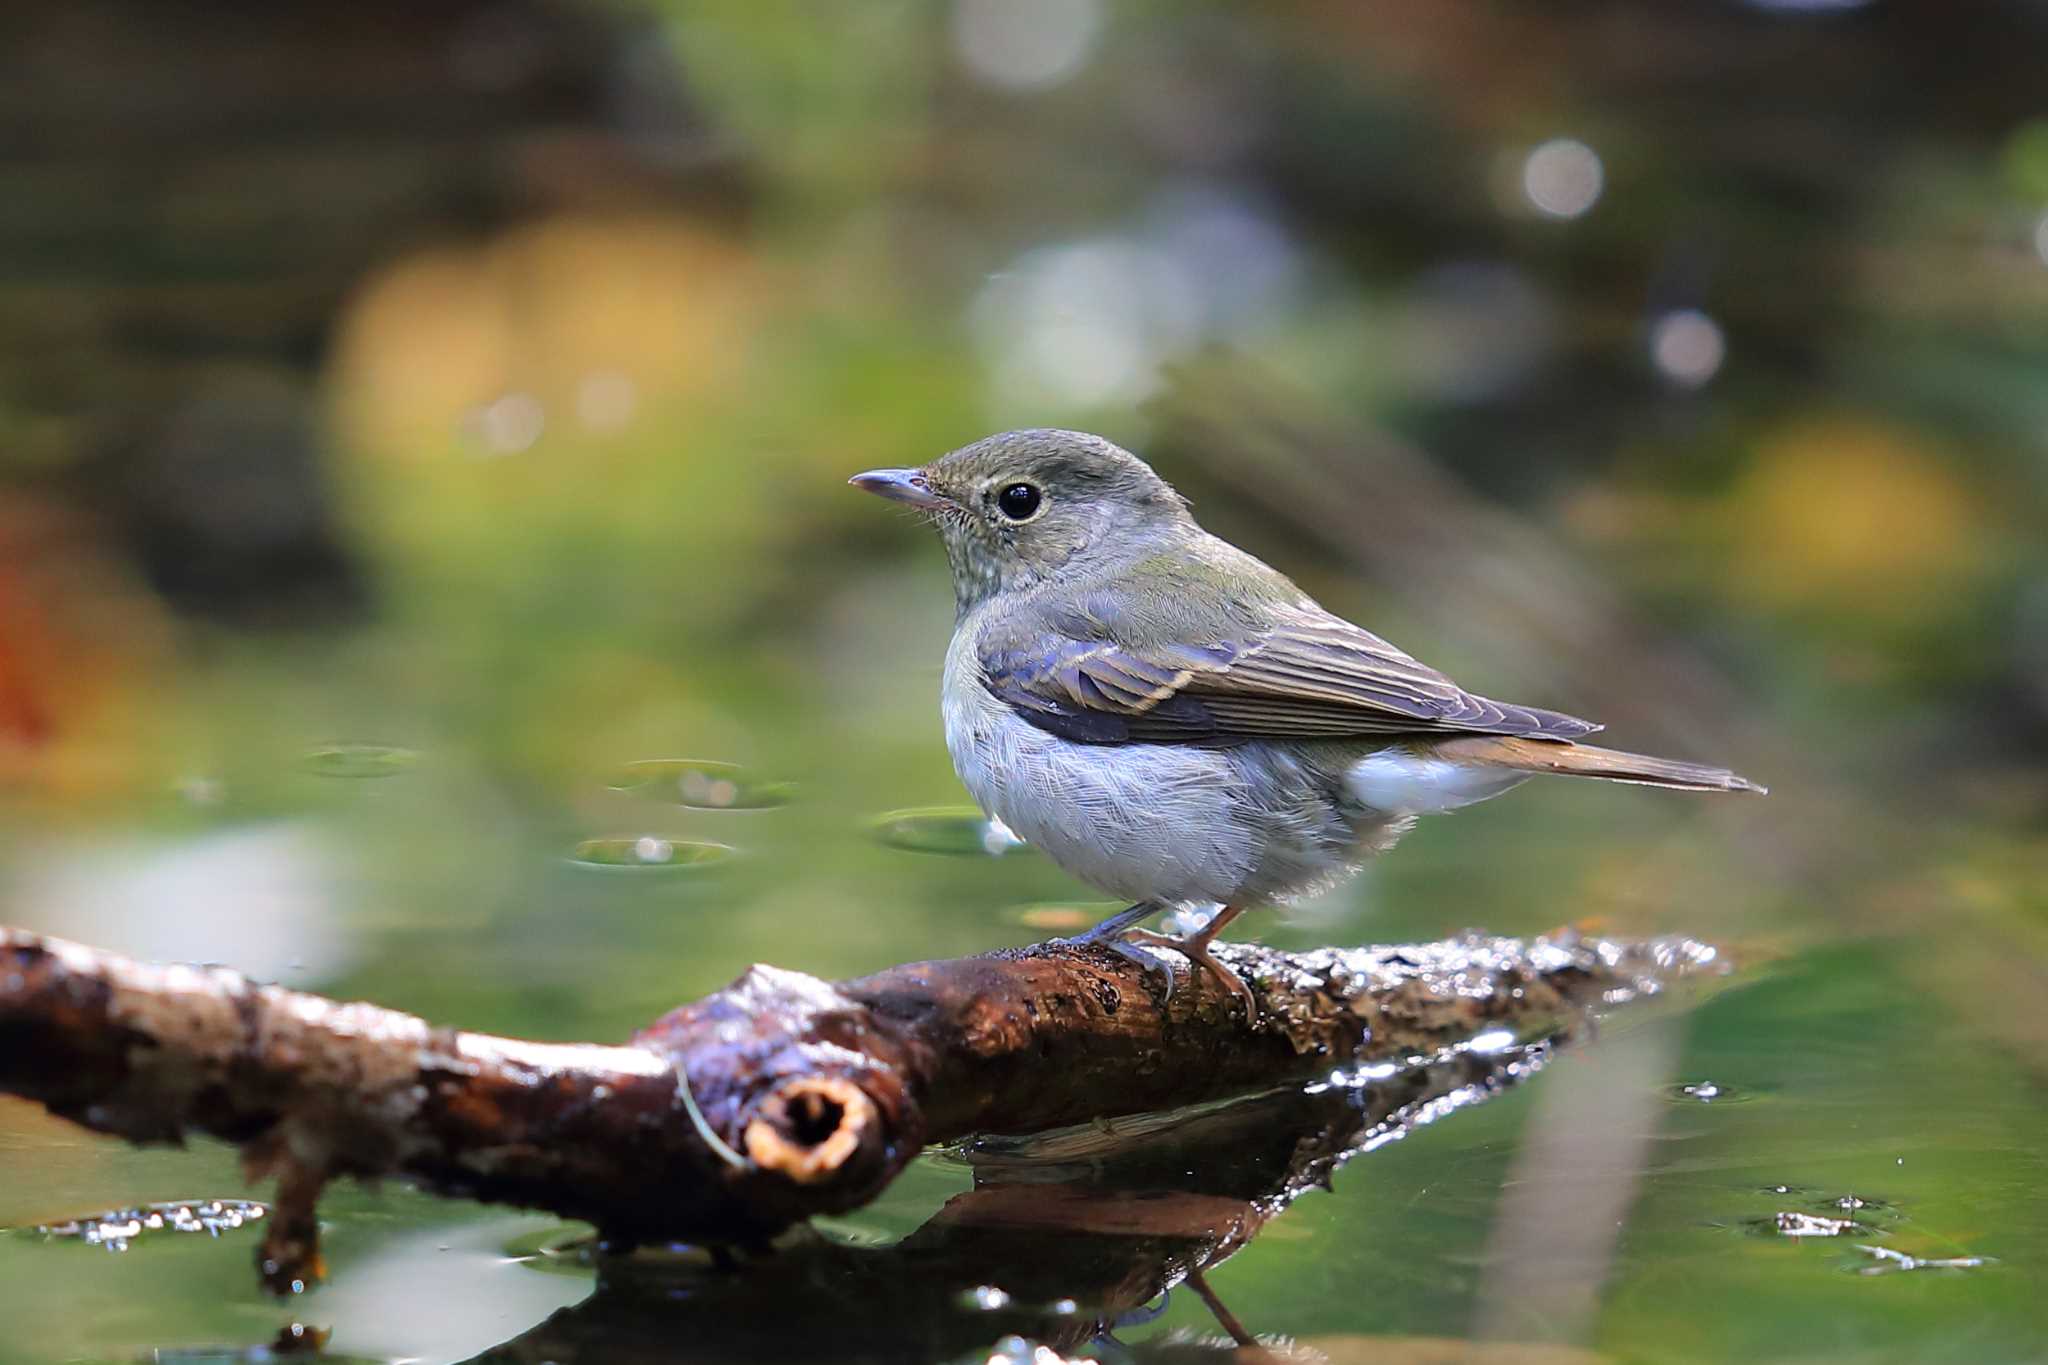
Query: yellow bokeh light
[{"x": 1846, "y": 513}]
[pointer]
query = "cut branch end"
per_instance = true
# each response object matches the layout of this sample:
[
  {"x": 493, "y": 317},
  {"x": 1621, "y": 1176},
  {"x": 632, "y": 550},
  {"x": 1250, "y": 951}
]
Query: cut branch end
[{"x": 813, "y": 1128}]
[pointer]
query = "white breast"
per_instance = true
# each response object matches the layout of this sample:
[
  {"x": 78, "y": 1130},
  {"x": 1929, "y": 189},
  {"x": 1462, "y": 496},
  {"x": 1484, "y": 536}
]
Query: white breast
[{"x": 1142, "y": 822}]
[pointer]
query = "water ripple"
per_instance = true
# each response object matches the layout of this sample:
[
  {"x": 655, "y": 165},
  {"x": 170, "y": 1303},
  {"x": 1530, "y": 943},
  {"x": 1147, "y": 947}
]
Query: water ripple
[
  {"x": 647, "y": 853},
  {"x": 702, "y": 784}
]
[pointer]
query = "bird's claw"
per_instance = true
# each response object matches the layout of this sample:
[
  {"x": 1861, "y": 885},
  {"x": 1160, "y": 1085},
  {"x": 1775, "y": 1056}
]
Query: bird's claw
[
  {"x": 1145, "y": 962},
  {"x": 1129, "y": 952},
  {"x": 1196, "y": 949}
]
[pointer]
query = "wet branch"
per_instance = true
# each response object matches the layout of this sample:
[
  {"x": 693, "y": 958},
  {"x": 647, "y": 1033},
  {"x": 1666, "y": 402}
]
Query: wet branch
[{"x": 828, "y": 1089}]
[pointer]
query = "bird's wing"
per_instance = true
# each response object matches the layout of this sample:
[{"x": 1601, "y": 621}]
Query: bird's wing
[{"x": 1306, "y": 675}]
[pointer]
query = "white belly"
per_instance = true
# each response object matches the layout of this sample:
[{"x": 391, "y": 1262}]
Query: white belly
[{"x": 1142, "y": 821}]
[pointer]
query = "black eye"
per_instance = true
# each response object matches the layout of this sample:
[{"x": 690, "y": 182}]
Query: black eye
[{"x": 1018, "y": 501}]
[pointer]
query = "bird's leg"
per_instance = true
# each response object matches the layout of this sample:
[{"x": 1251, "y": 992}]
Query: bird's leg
[
  {"x": 1195, "y": 947},
  {"x": 1110, "y": 934},
  {"x": 1224, "y": 1317},
  {"x": 1117, "y": 923}
]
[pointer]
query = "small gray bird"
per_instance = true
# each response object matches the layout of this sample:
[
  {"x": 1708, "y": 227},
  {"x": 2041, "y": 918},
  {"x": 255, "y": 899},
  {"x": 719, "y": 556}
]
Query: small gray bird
[{"x": 1173, "y": 721}]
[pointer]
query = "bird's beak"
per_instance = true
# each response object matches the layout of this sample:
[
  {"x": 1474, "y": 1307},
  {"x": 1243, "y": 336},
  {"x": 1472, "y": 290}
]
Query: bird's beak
[{"x": 907, "y": 486}]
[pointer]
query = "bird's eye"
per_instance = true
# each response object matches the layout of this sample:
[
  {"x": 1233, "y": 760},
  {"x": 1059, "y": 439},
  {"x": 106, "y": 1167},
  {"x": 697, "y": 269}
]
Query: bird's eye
[{"x": 1018, "y": 501}]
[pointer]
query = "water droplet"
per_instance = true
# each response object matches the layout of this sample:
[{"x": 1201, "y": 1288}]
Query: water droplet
[
  {"x": 961, "y": 831},
  {"x": 1792, "y": 1223},
  {"x": 1493, "y": 1040},
  {"x": 358, "y": 760},
  {"x": 702, "y": 784},
  {"x": 1863, "y": 1208},
  {"x": 1708, "y": 1092},
  {"x": 1011, "y": 1350},
  {"x": 117, "y": 1228},
  {"x": 647, "y": 853}
]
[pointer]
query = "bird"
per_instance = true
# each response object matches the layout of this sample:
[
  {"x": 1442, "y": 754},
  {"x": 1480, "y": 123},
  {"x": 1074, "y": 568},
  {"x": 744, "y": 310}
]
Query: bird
[{"x": 1172, "y": 720}]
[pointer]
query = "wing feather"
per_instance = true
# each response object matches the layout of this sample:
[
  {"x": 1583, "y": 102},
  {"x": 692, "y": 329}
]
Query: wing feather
[{"x": 1317, "y": 678}]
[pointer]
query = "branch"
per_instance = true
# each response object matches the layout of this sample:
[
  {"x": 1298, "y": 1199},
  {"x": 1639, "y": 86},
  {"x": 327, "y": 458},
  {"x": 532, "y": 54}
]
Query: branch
[{"x": 828, "y": 1089}]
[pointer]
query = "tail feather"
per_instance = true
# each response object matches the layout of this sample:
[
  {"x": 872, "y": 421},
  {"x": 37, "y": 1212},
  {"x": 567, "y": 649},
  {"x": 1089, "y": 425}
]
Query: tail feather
[{"x": 1589, "y": 760}]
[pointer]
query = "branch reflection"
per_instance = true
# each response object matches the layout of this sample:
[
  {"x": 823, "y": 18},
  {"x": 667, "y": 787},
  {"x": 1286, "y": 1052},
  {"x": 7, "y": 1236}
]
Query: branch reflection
[{"x": 1065, "y": 1239}]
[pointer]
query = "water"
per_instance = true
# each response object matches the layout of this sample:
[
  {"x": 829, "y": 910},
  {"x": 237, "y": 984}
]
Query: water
[
  {"x": 646, "y": 854},
  {"x": 1856, "y": 1177},
  {"x": 703, "y": 784}
]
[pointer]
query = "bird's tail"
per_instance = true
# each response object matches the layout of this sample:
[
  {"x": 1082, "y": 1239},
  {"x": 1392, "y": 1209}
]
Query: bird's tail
[{"x": 1588, "y": 760}]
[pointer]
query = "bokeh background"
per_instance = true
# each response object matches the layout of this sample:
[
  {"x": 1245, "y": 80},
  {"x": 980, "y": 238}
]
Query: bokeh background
[{"x": 413, "y": 417}]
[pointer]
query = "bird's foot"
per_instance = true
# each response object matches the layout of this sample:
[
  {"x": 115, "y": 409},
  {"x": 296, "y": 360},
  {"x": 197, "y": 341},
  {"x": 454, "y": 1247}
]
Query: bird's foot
[
  {"x": 1110, "y": 934},
  {"x": 1195, "y": 948},
  {"x": 1145, "y": 962}
]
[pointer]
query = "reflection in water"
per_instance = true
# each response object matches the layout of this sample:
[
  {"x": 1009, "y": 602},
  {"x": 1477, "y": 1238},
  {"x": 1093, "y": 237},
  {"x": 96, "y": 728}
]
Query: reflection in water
[
  {"x": 1709, "y": 1092},
  {"x": 556, "y": 1249},
  {"x": 293, "y": 1341},
  {"x": 358, "y": 760},
  {"x": 1556, "y": 1234},
  {"x": 960, "y": 831},
  {"x": 1858, "y": 1205},
  {"x": 1065, "y": 1239},
  {"x": 1886, "y": 1261},
  {"x": 1792, "y": 1223},
  {"x": 1799, "y": 1212},
  {"x": 1059, "y": 917},
  {"x": 269, "y": 898},
  {"x": 647, "y": 853},
  {"x": 702, "y": 784},
  {"x": 439, "y": 1294},
  {"x": 117, "y": 1229}
]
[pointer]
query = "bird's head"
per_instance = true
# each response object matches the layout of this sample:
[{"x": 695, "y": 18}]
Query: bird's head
[{"x": 1015, "y": 510}]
